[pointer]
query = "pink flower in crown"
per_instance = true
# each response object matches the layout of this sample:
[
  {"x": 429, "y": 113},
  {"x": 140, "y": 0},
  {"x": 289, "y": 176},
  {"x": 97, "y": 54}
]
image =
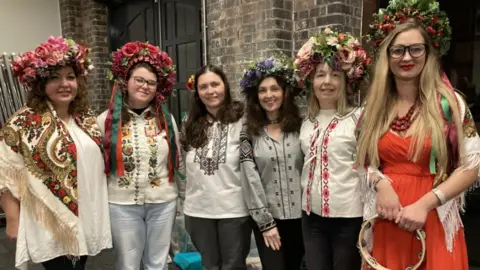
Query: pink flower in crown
[
  {"x": 332, "y": 41},
  {"x": 347, "y": 57},
  {"x": 362, "y": 54},
  {"x": 359, "y": 71},
  {"x": 58, "y": 43},
  {"x": 30, "y": 72},
  {"x": 306, "y": 50},
  {"x": 51, "y": 61},
  {"x": 28, "y": 57},
  {"x": 44, "y": 50}
]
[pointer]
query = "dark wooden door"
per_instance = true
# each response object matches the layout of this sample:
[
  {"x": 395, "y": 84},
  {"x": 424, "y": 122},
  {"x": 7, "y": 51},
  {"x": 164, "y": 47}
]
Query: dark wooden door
[
  {"x": 181, "y": 38},
  {"x": 132, "y": 20}
]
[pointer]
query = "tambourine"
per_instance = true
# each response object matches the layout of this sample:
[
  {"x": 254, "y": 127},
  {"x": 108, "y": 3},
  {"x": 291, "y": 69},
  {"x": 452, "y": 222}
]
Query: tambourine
[{"x": 371, "y": 261}]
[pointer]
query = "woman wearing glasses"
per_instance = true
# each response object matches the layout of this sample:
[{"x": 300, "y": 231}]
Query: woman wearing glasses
[
  {"x": 141, "y": 157},
  {"x": 421, "y": 136}
]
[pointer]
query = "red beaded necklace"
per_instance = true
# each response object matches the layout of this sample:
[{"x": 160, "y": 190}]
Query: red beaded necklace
[{"x": 400, "y": 124}]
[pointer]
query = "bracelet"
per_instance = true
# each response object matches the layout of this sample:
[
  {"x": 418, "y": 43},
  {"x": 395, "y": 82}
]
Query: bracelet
[
  {"x": 440, "y": 196},
  {"x": 375, "y": 182}
]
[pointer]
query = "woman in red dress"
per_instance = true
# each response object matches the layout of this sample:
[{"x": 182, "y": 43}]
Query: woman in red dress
[{"x": 420, "y": 142}]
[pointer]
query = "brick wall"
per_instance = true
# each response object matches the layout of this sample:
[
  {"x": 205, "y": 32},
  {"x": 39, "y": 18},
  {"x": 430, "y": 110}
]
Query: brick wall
[
  {"x": 239, "y": 31},
  {"x": 85, "y": 21},
  {"x": 248, "y": 29}
]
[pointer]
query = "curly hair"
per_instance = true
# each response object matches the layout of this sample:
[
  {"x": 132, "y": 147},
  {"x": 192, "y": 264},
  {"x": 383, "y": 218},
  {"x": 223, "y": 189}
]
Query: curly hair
[
  {"x": 194, "y": 134},
  {"x": 256, "y": 117},
  {"x": 37, "y": 97}
]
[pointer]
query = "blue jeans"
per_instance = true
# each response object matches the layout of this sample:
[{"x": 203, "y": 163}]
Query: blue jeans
[{"x": 142, "y": 233}]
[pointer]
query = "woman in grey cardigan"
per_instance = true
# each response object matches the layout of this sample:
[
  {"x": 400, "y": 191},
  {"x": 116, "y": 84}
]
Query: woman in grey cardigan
[{"x": 271, "y": 162}]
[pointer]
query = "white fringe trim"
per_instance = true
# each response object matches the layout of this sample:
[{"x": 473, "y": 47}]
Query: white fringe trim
[{"x": 449, "y": 216}]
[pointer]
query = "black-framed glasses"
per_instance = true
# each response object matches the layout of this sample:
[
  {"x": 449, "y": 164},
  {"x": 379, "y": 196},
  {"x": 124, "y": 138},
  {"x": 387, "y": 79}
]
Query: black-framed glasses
[
  {"x": 415, "y": 50},
  {"x": 139, "y": 81}
]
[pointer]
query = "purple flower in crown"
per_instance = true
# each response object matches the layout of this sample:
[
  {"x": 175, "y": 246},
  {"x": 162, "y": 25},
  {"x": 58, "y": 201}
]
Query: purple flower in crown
[
  {"x": 258, "y": 74},
  {"x": 269, "y": 63}
]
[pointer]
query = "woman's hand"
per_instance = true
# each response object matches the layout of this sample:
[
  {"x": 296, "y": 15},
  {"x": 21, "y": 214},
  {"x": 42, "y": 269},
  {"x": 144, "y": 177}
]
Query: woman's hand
[
  {"x": 12, "y": 229},
  {"x": 388, "y": 204},
  {"x": 272, "y": 239},
  {"x": 412, "y": 217}
]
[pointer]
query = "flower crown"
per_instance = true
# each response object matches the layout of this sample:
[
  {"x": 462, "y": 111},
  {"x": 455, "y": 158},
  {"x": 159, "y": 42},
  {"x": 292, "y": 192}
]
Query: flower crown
[
  {"x": 136, "y": 52},
  {"x": 191, "y": 83},
  {"x": 278, "y": 65},
  {"x": 341, "y": 51},
  {"x": 426, "y": 12},
  {"x": 45, "y": 59}
]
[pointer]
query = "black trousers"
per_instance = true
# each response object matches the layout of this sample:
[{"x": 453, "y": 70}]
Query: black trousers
[
  {"x": 331, "y": 243},
  {"x": 290, "y": 255},
  {"x": 223, "y": 243},
  {"x": 64, "y": 263}
]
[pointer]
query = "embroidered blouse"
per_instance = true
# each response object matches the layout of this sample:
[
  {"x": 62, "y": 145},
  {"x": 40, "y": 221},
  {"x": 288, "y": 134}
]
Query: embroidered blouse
[
  {"x": 56, "y": 170},
  {"x": 214, "y": 186},
  {"x": 271, "y": 177},
  {"x": 331, "y": 185},
  {"x": 145, "y": 157}
]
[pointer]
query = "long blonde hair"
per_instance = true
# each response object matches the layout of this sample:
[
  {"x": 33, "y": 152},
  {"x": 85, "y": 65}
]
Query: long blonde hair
[
  {"x": 382, "y": 94},
  {"x": 343, "y": 105}
]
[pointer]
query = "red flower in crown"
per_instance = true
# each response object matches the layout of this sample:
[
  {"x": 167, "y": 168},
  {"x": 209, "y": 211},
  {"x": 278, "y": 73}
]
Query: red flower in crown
[{"x": 191, "y": 83}]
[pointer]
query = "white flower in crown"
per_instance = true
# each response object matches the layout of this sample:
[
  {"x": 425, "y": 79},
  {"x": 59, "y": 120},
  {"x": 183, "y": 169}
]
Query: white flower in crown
[
  {"x": 328, "y": 30},
  {"x": 353, "y": 42},
  {"x": 332, "y": 41}
]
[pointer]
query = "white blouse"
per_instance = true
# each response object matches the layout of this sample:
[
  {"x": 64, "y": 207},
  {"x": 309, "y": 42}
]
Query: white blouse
[
  {"x": 330, "y": 184},
  {"x": 94, "y": 234},
  {"x": 146, "y": 164},
  {"x": 214, "y": 188}
]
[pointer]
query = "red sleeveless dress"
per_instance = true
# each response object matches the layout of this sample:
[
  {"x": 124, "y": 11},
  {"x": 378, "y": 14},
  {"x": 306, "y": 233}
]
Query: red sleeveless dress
[{"x": 396, "y": 248}]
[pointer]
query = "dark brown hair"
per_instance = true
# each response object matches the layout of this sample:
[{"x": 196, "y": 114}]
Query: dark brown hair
[
  {"x": 194, "y": 130},
  {"x": 37, "y": 97},
  {"x": 126, "y": 117},
  {"x": 291, "y": 121}
]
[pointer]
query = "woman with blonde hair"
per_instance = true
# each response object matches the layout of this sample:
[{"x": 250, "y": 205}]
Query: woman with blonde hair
[
  {"x": 332, "y": 65},
  {"x": 420, "y": 141}
]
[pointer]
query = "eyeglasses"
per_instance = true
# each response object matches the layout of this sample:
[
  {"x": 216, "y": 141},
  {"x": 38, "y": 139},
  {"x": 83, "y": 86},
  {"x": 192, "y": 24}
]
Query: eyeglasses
[
  {"x": 415, "y": 50},
  {"x": 139, "y": 81}
]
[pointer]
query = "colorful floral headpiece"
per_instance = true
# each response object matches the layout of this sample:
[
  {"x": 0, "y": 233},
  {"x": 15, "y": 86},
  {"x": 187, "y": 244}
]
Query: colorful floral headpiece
[
  {"x": 136, "y": 52},
  {"x": 426, "y": 12},
  {"x": 341, "y": 51},
  {"x": 191, "y": 83},
  {"x": 47, "y": 57},
  {"x": 278, "y": 65}
]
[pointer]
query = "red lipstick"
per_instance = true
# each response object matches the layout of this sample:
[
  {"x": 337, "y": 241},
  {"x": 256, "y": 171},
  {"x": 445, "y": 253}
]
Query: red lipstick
[{"x": 407, "y": 67}]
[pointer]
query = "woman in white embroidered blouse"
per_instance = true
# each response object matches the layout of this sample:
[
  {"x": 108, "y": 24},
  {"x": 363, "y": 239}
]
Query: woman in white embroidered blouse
[
  {"x": 216, "y": 216},
  {"x": 420, "y": 141},
  {"x": 51, "y": 169},
  {"x": 332, "y": 65},
  {"x": 142, "y": 157}
]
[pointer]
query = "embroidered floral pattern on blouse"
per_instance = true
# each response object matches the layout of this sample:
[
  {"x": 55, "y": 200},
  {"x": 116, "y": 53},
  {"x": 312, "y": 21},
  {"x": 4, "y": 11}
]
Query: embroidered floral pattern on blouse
[
  {"x": 219, "y": 150},
  {"x": 325, "y": 169},
  {"x": 153, "y": 162},
  {"x": 128, "y": 159},
  {"x": 469, "y": 128},
  {"x": 48, "y": 150},
  {"x": 313, "y": 162}
]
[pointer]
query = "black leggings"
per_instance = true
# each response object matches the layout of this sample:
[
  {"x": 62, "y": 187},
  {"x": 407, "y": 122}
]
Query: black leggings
[
  {"x": 331, "y": 243},
  {"x": 64, "y": 263}
]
